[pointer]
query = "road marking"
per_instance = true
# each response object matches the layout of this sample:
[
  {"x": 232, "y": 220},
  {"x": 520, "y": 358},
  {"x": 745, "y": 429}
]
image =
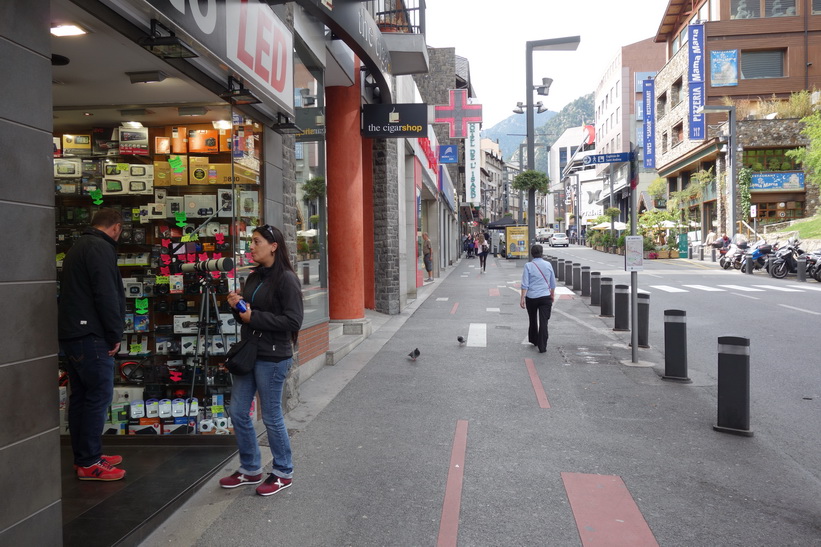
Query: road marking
[
  {"x": 445, "y": 299},
  {"x": 493, "y": 309},
  {"x": 806, "y": 288},
  {"x": 746, "y": 296},
  {"x": 667, "y": 288},
  {"x": 705, "y": 288},
  {"x": 541, "y": 396},
  {"x": 774, "y": 288},
  {"x": 563, "y": 290},
  {"x": 605, "y": 512},
  {"x": 454, "y": 308},
  {"x": 477, "y": 335},
  {"x": 451, "y": 507},
  {"x": 525, "y": 341},
  {"x": 741, "y": 288},
  {"x": 493, "y": 292},
  {"x": 799, "y": 309}
]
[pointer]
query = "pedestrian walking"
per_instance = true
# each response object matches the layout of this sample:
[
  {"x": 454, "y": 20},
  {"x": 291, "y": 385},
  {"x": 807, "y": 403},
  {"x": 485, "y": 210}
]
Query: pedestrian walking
[
  {"x": 427, "y": 253},
  {"x": 538, "y": 286},
  {"x": 483, "y": 248},
  {"x": 90, "y": 319},
  {"x": 274, "y": 311}
]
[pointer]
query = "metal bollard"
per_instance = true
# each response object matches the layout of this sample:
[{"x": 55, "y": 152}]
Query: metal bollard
[
  {"x": 748, "y": 264},
  {"x": 560, "y": 270},
  {"x": 606, "y": 297},
  {"x": 577, "y": 276},
  {"x": 675, "y": 346},
  {"x": 554, "y": 261},
  {"x": 644, "y": 319},
  {"x": 733, "y": 386},
  {"x": 568, "y": 273},
  {"x": 770, "y": 260},
  {"x": 306, "y": 274},
  {"x": 801, "y": 271},
  {"x": 585, "y": 280},
  {"x": 701, "y": 253},
  {"x": 622, "y": 298},
  {"x": 713, "y": 255},
  {"x": 595, "y": 288}
]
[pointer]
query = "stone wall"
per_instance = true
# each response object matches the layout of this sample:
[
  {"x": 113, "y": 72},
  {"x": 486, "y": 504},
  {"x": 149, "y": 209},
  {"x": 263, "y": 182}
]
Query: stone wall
[{"x": 386, "y": 227}]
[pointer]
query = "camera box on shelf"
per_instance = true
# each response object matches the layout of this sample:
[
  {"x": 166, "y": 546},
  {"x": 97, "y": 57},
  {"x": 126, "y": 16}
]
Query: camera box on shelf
[
  {"x": 171, "y": 172},
  {"x": 199, "y": 206},
  {"x": 203, "y": 141},
  {"x": 179, "y": 140},
  {"x": 185, "y": 324},
  {"x": 197, "y": 170}
]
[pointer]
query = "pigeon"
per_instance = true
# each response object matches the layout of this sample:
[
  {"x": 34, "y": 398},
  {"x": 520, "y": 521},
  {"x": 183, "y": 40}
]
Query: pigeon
[
  {"x": 461, "y": 340},
  {"x": 414, "y": 354}
]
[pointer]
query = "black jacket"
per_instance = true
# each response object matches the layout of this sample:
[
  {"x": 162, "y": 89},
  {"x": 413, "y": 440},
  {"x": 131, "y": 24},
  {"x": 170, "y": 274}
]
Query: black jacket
[
  {"x": 276, "y": 312},
  {"x": 92, "y": 299}
]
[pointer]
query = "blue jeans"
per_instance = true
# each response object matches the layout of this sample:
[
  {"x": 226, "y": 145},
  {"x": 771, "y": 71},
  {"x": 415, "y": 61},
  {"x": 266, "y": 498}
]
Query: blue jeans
[
  {"x": 91, "y": 380},
  {"x": 267, "y": 378}
]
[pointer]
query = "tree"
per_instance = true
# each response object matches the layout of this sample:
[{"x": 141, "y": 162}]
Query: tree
[
  {"x": 810, "y": 156},
  {"x": 531, "y": 180},
  {"x": 313, "y": 188}
]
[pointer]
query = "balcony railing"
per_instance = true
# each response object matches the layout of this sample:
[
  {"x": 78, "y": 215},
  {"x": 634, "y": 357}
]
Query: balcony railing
[{"x": 406, "y": 16}]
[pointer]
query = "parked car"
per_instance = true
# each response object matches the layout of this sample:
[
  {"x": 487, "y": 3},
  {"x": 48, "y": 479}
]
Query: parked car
[{"x": 558, "y": 240}]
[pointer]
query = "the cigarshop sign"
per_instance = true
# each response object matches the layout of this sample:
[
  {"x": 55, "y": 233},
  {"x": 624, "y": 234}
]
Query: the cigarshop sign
[{"x": 247, "y": 35}]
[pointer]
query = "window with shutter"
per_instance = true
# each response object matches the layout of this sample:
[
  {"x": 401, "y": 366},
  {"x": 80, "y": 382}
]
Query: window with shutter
[
  {"x": 762, "y": 64},
  {"x": 779, "y": 8},
  {"x": 816, "y": 6}
]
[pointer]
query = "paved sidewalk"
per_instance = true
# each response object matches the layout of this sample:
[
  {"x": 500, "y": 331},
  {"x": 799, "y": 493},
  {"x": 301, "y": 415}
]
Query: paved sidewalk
[{"x": 462, "y": 443}]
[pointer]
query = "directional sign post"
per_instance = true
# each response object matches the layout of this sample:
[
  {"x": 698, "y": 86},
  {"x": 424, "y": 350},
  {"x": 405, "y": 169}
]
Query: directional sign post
[{"x": 607, "y": 158}]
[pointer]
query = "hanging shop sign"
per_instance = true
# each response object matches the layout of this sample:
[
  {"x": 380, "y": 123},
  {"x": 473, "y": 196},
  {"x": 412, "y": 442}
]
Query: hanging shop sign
[
  {"x": 649, "y": 96},
  {"x": 724, "y": 68},
  {"x": 777, "y": 182},
  {"x": 448, "y": 153},
  {"x": 473, "y": 172},
  {"x": 246, "y": 35},
  {"x": 696, "y": 82},
  {"x": 393, "y": 121}
]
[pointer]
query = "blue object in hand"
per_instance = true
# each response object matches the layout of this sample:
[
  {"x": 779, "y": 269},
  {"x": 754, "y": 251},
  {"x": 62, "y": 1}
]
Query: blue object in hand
[{"x": 242, "y": 307}]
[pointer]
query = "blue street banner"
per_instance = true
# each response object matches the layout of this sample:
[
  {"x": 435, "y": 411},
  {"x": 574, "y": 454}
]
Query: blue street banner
[
  {"x": 695, "y": 45},
  {"x": 724, "y": 68},
  {"x": 649, "y": 95},
  {"x": 448, "y": 153}
]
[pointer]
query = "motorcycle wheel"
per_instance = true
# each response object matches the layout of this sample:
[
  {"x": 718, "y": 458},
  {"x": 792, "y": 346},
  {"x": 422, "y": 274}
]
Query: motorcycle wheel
[
  {"x": 737, "y": 264},
  {"x": 817, "y": 274},
  {"x": 724, "y": 263},
  {"x": 780, "y": 270}
]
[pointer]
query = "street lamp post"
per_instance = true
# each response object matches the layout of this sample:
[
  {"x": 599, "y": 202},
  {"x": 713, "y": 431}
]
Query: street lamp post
[
  {"x": 731, "y": 156},
  {"x": 568, "y": 43}
]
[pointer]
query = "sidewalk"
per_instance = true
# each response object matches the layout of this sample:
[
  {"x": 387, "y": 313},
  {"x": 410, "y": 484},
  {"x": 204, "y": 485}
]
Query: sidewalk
[{"x": 375, "y": 439}]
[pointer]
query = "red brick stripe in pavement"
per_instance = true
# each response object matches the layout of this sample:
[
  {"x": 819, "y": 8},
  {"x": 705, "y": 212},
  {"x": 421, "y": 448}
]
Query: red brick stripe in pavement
[
  {"x": 541, "y": 396},
  {"x": 605, "y": 512},
  {"x": 454, "y": 308},
  {"x": 449, "y": 524},
  {"x": 493, "y": 292}
]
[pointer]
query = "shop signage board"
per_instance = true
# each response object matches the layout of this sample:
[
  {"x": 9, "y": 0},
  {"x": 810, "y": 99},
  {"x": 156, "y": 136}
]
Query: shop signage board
[
  {"x": 649, "y": 96},
  {"x": 516, "y": 240},
  {"x": 695, "y": 83},
  {"x": 777, "y": 182},
  {"x": 448, "y": 153},
  {"x": 458, "y": 113},
  {"x": 619, "y": 157},
  {"x": 473, "y": 174},
  {"x": 245, "y": 34},
  {"x": 633, "y": 253},
  {"x": 393, "y": 121},
  {"x": 724, "y": 68}
]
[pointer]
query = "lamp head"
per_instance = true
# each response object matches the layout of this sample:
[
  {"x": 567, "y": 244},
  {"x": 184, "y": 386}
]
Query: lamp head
[{"x": 544, "y": 89}]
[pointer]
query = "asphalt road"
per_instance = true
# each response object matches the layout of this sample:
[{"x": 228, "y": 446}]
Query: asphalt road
[{"x": 491, "y": 443}]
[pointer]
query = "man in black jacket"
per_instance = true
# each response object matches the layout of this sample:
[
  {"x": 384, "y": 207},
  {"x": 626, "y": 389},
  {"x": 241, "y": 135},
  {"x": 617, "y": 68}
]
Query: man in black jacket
[{"x": 90, "y": 326}]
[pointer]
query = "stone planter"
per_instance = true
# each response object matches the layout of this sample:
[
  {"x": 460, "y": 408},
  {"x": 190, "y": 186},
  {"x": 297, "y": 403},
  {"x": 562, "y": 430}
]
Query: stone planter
[{"x": 663, "y": 254}]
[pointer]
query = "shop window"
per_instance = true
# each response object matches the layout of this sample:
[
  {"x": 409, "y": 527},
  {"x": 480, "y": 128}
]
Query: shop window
[
  {"x": 762, "y": 64},
  {"x": 769, "y": 159},
  {"x": 675, "y": 92}
]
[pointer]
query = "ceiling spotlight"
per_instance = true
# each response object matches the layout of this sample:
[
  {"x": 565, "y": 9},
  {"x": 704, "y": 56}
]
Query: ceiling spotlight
[
  {"x": 59, "y": 60},
  {"x": 192, "y": 111},
  {"x": 131, "y": 125},
  {"x": 67, "y": 30},
  {"x": 222, "y": 124},
  {"x": 147, "y": 77},
  {"x": 166, "y": 46},
  {"x": 237, "y": 93},
  {"x": 285, "y": 126}
]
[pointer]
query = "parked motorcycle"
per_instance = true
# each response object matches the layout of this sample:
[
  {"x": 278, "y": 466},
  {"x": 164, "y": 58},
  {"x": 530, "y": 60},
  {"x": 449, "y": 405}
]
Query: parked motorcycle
[
  {"x": 786, "y": 259},
  {"x": 733, "y": 257},
  {"x": 759, "y": 253},
  {"x": 814, "y": 265}
]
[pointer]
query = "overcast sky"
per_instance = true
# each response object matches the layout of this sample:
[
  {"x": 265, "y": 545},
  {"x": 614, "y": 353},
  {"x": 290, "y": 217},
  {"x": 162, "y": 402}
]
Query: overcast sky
[{"x": 492, "y": 37}]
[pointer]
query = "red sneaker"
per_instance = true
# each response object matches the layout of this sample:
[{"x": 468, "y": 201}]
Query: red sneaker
[
  {"x": 272, "y": 485},
  {"x": 100, "y": 471},
  {"x": 239, "y": 479},
  {"x": 110, "y": 460}
]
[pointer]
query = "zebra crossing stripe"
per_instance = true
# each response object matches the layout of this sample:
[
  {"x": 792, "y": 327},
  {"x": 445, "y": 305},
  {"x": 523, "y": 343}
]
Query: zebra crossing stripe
[
  {"x": 477, "y": 335},
  {"x": 705, "y": 288},
  {"x": 773, "y": 288},
  {"x": 741, "y": 288},
  {"x": 667, "y": 288}
]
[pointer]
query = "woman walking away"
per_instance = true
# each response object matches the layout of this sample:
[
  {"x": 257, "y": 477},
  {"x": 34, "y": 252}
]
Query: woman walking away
[
  {"x": 538, "y": 286},
  {"x": 483, "y": 249},
  {"x": 273, "y": 302}
]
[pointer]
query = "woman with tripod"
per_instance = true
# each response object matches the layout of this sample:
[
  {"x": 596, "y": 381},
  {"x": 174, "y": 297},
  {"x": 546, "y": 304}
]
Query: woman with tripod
[{"x": 273, "y": 311}]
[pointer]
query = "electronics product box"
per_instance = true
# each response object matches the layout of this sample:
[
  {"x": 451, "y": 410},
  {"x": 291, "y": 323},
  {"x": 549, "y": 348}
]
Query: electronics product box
[
  {"x": 134, "y": 142},
  {"x": 166, "y": 175},
  {"x": 105, "y": 141},
  {"x": 115, "y": 186},
  {"x": 162, "y": 145},
  {"x": 76, "y": 145},
  {"x": 115, "y": 428},
  {"x": 119, "y": 412},
  {"x": 197, "y": 170},
  {"x": 243, "y": 175},
  {"x": 203, "y": 141},
  {"x": 144, "y": 426},
  {"x": 180, "y": 425},
  {"x": 185, "y": 324},
  {"x": 200, "y": 206},
  {"x": 67, "y": 168},
  {"x": 179, "y": 140},
  {"x": 219, "y": 173}
]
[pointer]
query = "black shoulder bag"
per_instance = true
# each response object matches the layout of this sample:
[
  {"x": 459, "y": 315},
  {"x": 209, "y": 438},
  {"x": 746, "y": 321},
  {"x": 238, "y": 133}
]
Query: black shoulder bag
[{"x": 242, "y": 356}]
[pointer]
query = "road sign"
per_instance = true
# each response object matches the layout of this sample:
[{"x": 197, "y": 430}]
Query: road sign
[{"x": 606, "y": 158}]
